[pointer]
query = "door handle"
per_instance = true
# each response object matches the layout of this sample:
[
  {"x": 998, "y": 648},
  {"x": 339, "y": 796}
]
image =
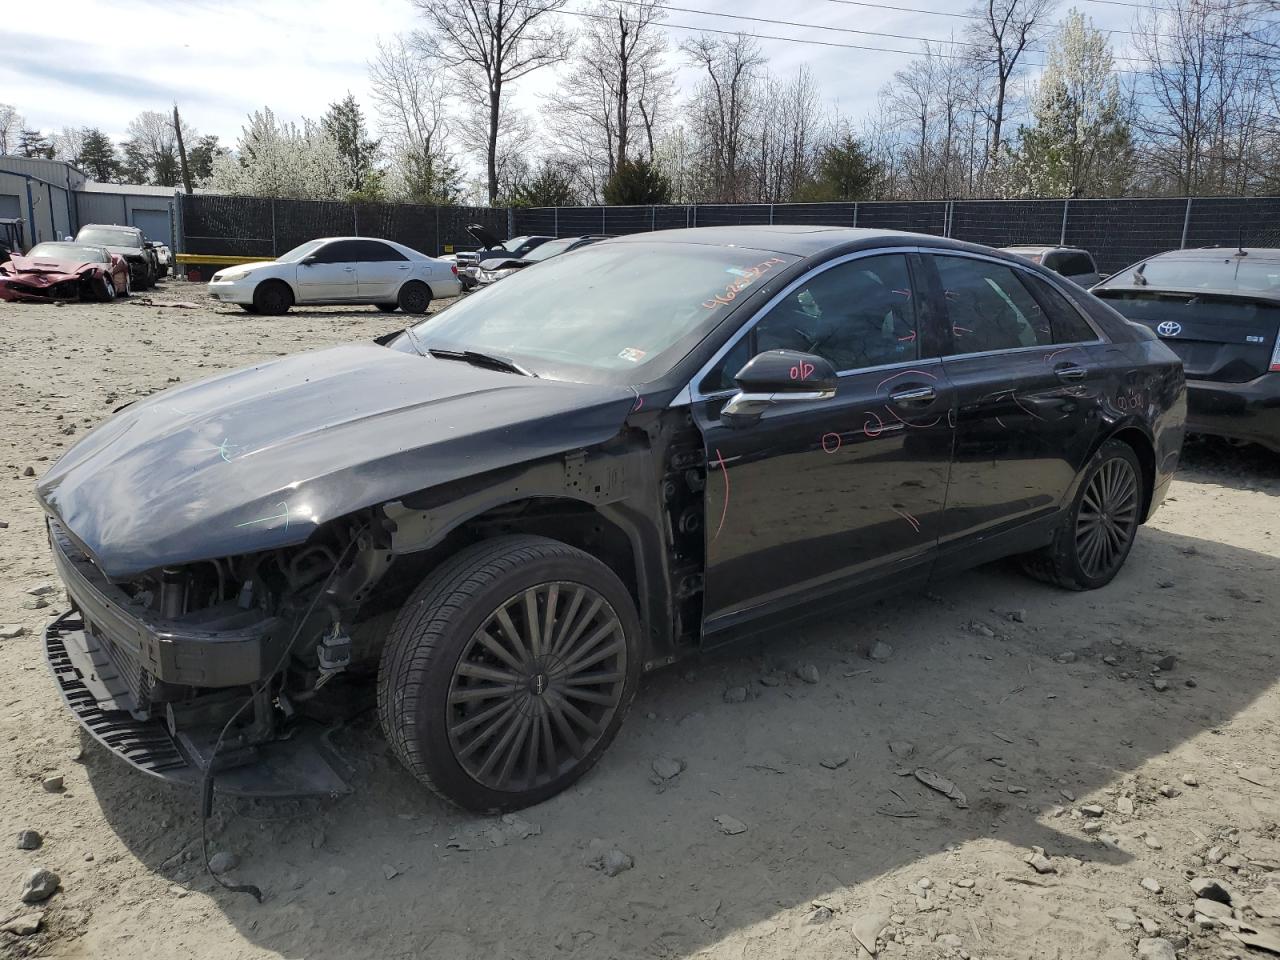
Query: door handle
[
  {"x": 1070, "y": 371},
  {"x": 349, "y": 269},
  {"x": 914, "y": 395},
  {"x": 404, "y": 268}
]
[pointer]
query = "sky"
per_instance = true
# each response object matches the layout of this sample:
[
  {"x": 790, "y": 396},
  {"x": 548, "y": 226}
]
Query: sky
[{"x": 222, "y": 59}]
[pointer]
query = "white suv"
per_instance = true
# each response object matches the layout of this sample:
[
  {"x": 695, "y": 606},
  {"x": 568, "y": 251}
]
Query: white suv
[{"x": 1071, "y": 262}]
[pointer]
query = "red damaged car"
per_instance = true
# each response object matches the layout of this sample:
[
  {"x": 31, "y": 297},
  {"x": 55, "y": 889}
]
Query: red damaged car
[{"x": 65, "y": 271}]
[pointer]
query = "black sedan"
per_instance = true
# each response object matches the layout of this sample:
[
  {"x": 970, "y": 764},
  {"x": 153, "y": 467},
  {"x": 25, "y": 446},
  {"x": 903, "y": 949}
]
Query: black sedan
[
  {"x": 510, "y": 511},
  {"x": 1219, "y": 310}
]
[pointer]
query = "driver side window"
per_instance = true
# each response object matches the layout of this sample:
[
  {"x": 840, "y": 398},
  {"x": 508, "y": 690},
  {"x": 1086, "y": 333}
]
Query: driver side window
[{"x": 855, "y": 315}]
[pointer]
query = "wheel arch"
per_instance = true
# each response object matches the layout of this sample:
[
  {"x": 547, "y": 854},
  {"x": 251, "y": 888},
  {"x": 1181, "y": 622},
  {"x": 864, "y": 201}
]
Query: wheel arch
[
  {"x": 1144, "y": 449},
  {"x": 408, "y": 280}
]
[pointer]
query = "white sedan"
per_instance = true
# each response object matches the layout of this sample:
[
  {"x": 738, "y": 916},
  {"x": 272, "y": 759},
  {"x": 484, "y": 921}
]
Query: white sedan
[{"x": 339, "y": 270}]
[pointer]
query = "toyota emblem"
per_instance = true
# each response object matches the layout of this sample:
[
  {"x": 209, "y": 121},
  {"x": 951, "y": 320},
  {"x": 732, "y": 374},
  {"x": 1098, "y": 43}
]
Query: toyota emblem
[{"x": 1170, "y": 328}]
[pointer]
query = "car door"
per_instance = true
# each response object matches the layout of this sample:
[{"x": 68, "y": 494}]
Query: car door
[
  {"x": 828, "y": 495},
  {"x": 1028, "y": 375},
  {"x": 380, "y": 269},
  {"x": 330, "y": 273}
]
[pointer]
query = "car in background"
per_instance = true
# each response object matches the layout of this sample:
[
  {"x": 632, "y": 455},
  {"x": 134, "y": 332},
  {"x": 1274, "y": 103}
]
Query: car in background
[
  {"x": 511, "y": 510},
  {"x": 164, "y": 258},
  {"x": 1219, "y": 310},
  {"x": 126, "y": 242},
  {"x": 1071, "y": 262},
  {"x": 491, "y": 247},
  {"x": 494, "y": 269},
  {"x": 64, "y": 271},
  {"x": 338, "y": 270}
]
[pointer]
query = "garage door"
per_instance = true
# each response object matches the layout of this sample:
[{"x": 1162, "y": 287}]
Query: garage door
[{"x": 154, "y": 225}]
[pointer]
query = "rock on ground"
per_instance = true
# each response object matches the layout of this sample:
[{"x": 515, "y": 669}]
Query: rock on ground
[{"x": 39, "y": 885}]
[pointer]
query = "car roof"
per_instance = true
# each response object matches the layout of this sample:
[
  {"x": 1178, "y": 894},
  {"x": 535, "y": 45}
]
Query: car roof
[
  {"x": 796, "y": 239},
  {"x": 1023, "y": 248},
  {"x": 110, "y": 226},
  {"x": 1220, "y": 253}
]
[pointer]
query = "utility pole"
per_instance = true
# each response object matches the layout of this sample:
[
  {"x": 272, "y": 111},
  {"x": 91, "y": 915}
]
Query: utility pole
[{"x": 182, "y": 151}]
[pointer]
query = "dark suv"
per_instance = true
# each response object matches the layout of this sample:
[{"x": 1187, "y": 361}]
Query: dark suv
[
  {"x": 509, "y": 511},
  {"x": 127, "y": 242}
]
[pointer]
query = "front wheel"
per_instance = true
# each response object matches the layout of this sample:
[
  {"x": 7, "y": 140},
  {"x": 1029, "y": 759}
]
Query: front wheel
[
  {"x": 415, "y": 297},
  {"x": 1097, "y": 533},
  {"x": 104, "y": 288},
  {"x": 272, "y": 297},
  {"x": 508, "y": 672}
]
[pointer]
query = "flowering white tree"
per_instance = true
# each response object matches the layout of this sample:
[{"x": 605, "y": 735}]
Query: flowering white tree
[
  {"x": 1080, "y": 142},
  {"x": 275, "y": 159}
]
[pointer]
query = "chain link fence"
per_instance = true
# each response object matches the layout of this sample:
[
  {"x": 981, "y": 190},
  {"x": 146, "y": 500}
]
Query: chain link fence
[{"x": 1117, "y": 232}]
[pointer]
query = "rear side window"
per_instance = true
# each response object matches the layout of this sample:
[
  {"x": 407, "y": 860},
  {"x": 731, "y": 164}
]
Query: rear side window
[
  {"x": 371, "y": 251},
  {"x": 1071, "y": 264},
  {"x": 988, "y": 307},
  {"x": 1065, "y": 323}
]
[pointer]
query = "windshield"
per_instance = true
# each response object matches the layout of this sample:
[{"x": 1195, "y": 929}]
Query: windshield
[
  {"x": 70, "y": 251},
  {"x": 514, "y": 244},
  {"x": 109, "y": 238},
  {"x": 550, "y": 249},
  {"x": 612, "y": 313},
  {"x": 300, "y": 251},
  {"x": 1181, "y": 273}
]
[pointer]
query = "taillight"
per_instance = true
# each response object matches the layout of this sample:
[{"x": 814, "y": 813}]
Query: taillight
[
  {"x": 454, "y": 268},
  {"x": 1275, "y": 356}
]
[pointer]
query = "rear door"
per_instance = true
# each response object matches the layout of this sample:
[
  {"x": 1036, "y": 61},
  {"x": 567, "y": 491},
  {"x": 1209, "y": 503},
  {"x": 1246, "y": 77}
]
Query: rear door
[
  {"x": 331, "y": 275},
  {"x": 829, "y": 495},
  {"x": 1224, "y": 337},
  {"x": 380, "y": 269},
  {"x": 1029, "y": 371}
]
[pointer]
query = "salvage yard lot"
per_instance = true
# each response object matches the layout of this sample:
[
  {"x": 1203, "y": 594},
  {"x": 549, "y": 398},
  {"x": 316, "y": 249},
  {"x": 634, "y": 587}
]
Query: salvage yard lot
[{"x": 1035, "y": 703}]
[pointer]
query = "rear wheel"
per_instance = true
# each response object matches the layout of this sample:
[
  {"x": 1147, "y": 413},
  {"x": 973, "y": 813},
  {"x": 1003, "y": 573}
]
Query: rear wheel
[
  {"x": 272, "y": 297},
  {"x": 509, "y": 671},
  {"x": 386, "y": 307},
  {"x": 415, "y": 297},
  {"x": 1097, "y": 533},
  {"x": 128, "y": 285}
]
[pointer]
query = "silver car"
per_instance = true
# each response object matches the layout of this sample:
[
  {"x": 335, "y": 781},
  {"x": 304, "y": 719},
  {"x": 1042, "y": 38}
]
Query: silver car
[{"x": 1071, "y": 262}]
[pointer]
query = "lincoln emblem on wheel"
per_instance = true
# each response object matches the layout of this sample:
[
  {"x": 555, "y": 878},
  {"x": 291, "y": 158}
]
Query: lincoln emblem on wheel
[
  {"x": 1170, "y": 328},
  {"x": 499, "y": 518}
]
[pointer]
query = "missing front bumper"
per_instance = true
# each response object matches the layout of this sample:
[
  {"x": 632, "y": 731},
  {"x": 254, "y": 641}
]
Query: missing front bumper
[{"x": 89, "y": 681}]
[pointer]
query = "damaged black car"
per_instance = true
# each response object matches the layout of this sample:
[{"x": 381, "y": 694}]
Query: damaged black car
[{"x": 501, "y": 517}]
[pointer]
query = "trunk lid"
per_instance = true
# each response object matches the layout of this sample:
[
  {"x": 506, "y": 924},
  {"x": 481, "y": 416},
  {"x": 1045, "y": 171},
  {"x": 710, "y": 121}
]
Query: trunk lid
[{"x": 1226, "y": 337}]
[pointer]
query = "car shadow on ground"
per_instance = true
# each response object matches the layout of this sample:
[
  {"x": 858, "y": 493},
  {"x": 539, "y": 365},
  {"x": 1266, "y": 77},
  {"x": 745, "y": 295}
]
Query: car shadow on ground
[
  {"x": 1239, "y": 466},
  {"x": 975, "y": 685}
]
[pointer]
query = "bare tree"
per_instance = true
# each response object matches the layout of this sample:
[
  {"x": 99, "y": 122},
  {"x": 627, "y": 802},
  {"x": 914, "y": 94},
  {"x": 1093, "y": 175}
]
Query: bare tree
[
  {"x": 492, "y": 43},
  {"x": 1002, "y": 31},
  {"x": 722, "y": 105},
  {"x": 1211, "y": 91},
  {"x": 11, "y": 121},
  {"x": 411, "y": 98},
  {"x": 68, "y": 143},
  {"x": 617, "y": 89}
]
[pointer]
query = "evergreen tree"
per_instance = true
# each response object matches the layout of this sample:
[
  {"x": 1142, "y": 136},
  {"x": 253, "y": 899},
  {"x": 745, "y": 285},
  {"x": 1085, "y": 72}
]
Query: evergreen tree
[
  {"x": 844, "y": 172},
  {"x": 97, "y": 156},
  {"x": 637, "y": 182},
  {"x": 344, "y": 123},
  {"x": 550, "y": 186},
  {"x": 201, "y": 156},
  {"x": 34, "y": 144}
]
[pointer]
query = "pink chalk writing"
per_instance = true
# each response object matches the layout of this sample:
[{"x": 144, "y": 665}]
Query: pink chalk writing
[
  {"x": 830, "y": 442},
  {"x": 802, "y": 371},
  {"x": 724, "y": 511},
  {"x": 747, "y": 276},
  {"x": 915, "y": 524}
]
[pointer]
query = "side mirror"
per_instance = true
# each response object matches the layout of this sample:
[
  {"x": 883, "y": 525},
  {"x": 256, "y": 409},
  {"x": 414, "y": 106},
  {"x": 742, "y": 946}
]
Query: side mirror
[
  {"x": 308, "y": 260},
  {"x": 778, "y": 376}
]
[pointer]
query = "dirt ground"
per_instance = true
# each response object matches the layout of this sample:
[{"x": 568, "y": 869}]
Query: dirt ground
[{"x": 1035, "y": 703}]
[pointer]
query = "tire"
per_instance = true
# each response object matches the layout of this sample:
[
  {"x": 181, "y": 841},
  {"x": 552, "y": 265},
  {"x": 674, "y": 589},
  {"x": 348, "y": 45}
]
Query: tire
[
  {"x": 140, "y": 282},
  {"x": 1087, "y": 552},
  {"x": 128, "y": 286},
  {"x": 387, "y": 307},
  {"x": 442, "y": 676},
  {"x": 272, "y": 297},
  {"x": 248, "y": 308},
  {"x": 415, "y": 297},
  {"x": 104, "y": 288}
]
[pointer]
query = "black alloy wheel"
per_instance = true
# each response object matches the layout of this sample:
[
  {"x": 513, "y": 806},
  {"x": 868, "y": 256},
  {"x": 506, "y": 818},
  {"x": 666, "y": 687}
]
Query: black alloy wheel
[
  {"x": 415, "y": 297},
  {"x": 272, "y": 297},
  {"x": 1097, "y": 531},
  {"x": 508, "y": 671},
  {"x": 1107, "y": 519},
  {"x": 536, "y": 686}
]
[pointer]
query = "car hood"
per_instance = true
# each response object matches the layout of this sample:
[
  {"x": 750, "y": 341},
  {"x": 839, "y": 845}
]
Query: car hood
[
  {"x": 250, "y": 267},
  {"x": 483, "y": 236},
  {"x": 258, "y": 458},
  {"x": 126, "y": 251},
  {"x": 502, "y": 263},
  {"x": 49, "y": 265}
]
